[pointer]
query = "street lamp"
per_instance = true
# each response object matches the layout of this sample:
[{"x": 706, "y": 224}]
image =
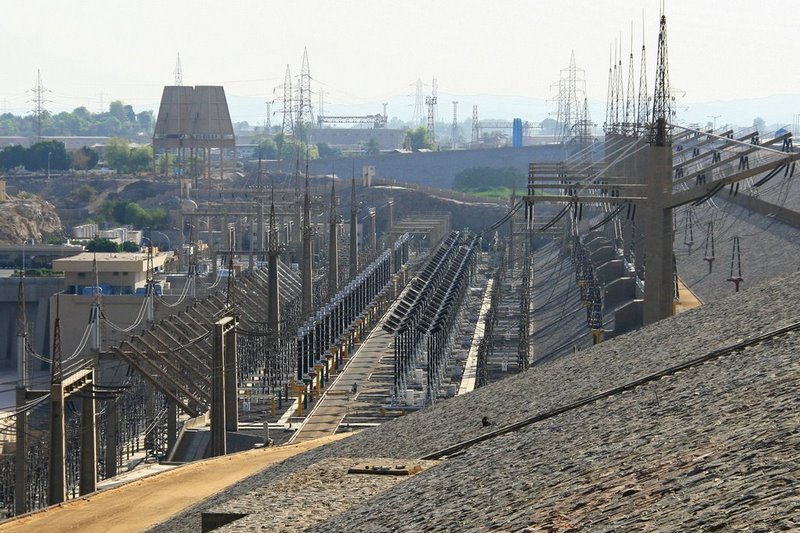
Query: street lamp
[
  {"x": 714, "y": 117},
  {"x": 48, "y": 164},
  {"x": 169, "y": 243}
]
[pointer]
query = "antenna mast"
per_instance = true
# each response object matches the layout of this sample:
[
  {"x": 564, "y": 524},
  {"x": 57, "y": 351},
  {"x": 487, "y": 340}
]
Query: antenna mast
[{"x": 178, "y": 73}]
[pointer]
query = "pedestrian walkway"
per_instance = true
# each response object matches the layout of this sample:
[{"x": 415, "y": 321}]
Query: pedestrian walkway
[{"x": 333, "y": 406}]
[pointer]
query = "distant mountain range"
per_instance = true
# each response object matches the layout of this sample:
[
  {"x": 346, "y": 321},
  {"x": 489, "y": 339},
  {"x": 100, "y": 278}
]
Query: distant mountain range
[{"x": 776, "y": 110}]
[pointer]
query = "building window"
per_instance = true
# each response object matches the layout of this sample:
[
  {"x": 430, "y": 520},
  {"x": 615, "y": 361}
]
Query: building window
[{"x": 81, "y": 274}]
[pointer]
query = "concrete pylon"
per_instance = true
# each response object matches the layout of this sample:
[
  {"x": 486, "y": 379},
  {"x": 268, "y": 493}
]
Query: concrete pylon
[
  {"x": 353, "y": 232},
  {"x": 389, "y": 216},
  {"x": 333, "y": 247},
  {"x": 57, "y": 469},
  {"x": 373, "y": 229},
  {"x": 261, "y": 228},
  {"x": 273, "y": 294},
  {"x": 307, "y": 272},
  {"x": 511, "y": 228},
  {"x": 658, "y": 218}
]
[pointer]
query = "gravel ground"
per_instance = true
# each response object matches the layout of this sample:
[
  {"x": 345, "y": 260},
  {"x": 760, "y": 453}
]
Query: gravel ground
[
  {"x": 768, "y": 248},
  {"x": 583, "y": 448}
]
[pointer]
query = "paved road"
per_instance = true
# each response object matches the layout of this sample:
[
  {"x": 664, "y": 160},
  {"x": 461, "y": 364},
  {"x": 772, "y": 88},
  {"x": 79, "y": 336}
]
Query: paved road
[{"x": 143, "y": 503}]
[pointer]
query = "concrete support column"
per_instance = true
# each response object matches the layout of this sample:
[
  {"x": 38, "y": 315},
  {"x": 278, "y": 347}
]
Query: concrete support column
[
  {"x": 231, "y": 385},
  {"x": 57, "y": 466},
  {"x": 658, "y": 246},
  {"x": 111, "y": 438},
  {"x": 389, "y": 217},
  {"x": 218, "y": 397},
  {"x": 307, "y": 271},
  {"x": 88, "y": 481},
  {"x": 273, "y": 293},
  {"x": 373, "y": 230},
  {"x": 261, "y": 244},
  {"x": 353, "y": 233},
  {"x": 21, "y": 464}
]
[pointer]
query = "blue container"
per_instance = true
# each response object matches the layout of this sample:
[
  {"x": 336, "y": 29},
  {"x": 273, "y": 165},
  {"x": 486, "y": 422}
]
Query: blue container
[{"x": 516, "y": 133}]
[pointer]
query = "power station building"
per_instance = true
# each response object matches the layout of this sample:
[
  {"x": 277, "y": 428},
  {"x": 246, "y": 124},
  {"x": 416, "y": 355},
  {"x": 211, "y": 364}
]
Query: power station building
[{"x": 191, "y": 122}]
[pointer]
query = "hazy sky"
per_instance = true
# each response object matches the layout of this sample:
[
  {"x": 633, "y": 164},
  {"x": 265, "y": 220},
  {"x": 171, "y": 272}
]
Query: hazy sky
[{"x": 370, "y": 50}]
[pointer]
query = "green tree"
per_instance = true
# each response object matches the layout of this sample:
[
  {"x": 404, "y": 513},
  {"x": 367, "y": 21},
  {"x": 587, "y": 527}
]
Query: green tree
[
  {"x": 130, "y": 246},
  {"x": 146, "y": 121},
  {"x": 12, "y": 157},
  {"x": 267, "y": 149},
  {"x": 84, "y": 158},
  {"x": 102, "y": 244},
  {"x": 115, "y": 153},
  {"x": 82, "y": 195},
  {"x": 325, "y": 151},
  {"x": 417, "y": 139},
  {"x": 140, "y": 159},
  {"x": 372, "y": 147},
  {"x": 293, "y": 149},
  {"x": 477, "y": 178},
  {"x": 37, "y": 156},
  {"x": 549, "y": 126}
]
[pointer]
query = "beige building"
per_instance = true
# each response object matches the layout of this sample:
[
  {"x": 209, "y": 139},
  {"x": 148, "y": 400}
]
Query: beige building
[{"x": 119, "y": 275}]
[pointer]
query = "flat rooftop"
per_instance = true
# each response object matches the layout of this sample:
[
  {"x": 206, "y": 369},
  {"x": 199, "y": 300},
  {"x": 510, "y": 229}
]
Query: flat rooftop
[{"x": 109, "y": 261}]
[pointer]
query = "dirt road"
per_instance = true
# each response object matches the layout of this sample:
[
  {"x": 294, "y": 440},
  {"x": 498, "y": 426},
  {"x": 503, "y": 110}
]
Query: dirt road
[{"x": 148, "y": 501}]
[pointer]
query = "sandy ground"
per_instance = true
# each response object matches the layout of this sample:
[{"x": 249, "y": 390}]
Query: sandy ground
[{"x": 148, "y": 501}]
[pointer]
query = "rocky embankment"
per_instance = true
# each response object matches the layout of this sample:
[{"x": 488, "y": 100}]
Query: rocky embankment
[{"x": 24, "y": 218}]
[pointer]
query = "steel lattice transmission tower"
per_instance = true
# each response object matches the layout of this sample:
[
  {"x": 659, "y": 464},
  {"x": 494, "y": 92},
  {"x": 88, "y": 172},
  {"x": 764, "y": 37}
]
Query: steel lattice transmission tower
[
  {"x": 619, "y": 95},
  {"x": 287, "y": 125},
  {"x": 178, "y": 73},
  {"x": 305, "y": 111},
  {"x": 476, "y": 128},
  {"x": 454, "y": 129},
  {"x": 630, "y": 100},
  {"x": 643, "y": 113},
  {"x": 662, "y": 99},
  {"x": 435, "y": 94},
  {"x": 416, "y": 118},
  {"x": 609, "y": 125},
  {"x": 38, "y": 103},
  {"x": 571, "y": 90},
  {"x": 430, "y": 102}
]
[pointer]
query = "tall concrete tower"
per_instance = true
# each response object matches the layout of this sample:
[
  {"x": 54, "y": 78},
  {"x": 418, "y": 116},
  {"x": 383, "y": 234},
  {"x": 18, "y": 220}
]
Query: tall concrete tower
[
  {"x": 273, "y": 295},
  {"x": 308, "y": 232},
  {"x": 353, "y": 231},
  {"x": 333, "y": 247}
]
